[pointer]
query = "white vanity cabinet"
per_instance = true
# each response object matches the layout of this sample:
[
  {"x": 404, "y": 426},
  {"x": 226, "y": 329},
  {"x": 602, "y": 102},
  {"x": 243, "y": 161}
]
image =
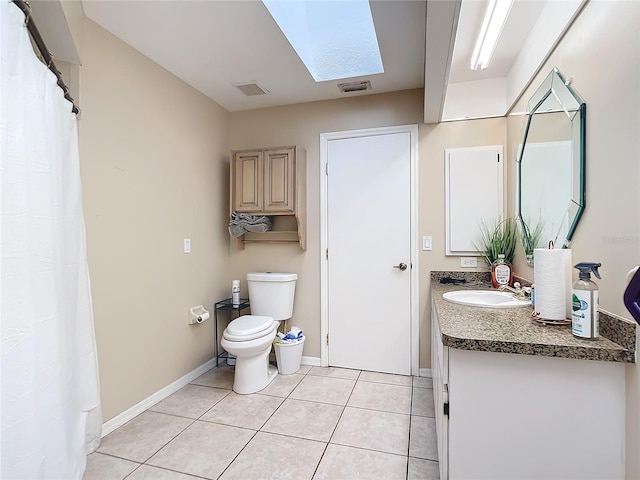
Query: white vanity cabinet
[
  {"x": 440, "y": 374},
  {"x": 513, "y": 416}
]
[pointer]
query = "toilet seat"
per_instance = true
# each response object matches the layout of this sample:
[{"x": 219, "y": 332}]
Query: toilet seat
[{"x": 249, "y": 327}]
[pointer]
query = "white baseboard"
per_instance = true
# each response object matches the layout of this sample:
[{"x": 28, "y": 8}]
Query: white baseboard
[
  {"x": 313, "y": 361},
  {"x": 316, "y": 362},
  {"x": 122, "y": 418}
]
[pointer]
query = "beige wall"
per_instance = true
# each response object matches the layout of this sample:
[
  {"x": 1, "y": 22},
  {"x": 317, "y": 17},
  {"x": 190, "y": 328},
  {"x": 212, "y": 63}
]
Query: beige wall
[
  {"x": 302, "y": 125},
  {"x": 601, "y": 53},
  {"x": 609, "y": 83},
  {"x": 154, "y": 160},
  {"x": 434, "y": 139}
]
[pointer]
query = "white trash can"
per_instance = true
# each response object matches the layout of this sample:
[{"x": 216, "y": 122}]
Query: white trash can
[{"x": 288, "y": 355}]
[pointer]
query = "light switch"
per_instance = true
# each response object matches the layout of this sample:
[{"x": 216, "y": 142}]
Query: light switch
[
  {"x": 426, "y": 243},
  {"x": 187, "y": 245}
]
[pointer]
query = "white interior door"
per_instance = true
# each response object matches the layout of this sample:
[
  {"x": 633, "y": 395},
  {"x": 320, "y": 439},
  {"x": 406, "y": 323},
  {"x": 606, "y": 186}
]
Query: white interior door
[{"x": 368, "y": 238}]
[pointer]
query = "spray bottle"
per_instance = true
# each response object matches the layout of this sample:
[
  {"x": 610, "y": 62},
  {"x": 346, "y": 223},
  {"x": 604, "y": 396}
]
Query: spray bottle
[
  {"x": 585, "y": 316},
  {"x": 235, "y": 293}
]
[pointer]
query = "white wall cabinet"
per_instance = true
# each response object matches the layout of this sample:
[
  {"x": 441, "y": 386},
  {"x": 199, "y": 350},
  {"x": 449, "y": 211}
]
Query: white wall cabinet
[
  {"x": 474, "y": 194},
  {"x": 514, "y": 416}
]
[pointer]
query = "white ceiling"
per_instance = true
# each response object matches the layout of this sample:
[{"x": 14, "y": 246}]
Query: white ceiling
[{"x": 214, "y": 44}]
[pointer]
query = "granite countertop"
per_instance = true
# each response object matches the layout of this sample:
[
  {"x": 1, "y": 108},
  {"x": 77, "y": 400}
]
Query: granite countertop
[{"x": 512, "y": 330}]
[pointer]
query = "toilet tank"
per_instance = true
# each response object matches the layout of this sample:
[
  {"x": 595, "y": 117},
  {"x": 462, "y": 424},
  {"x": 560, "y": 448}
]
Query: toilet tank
[{"x": 271, "y": 294}]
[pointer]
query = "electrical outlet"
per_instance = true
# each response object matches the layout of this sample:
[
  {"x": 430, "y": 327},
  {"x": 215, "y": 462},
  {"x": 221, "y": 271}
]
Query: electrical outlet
[
  {"x": 468, "y": 262},
  {"x": 187, "y": 245}
]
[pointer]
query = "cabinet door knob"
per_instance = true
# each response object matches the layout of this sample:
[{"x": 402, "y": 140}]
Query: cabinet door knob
[{"x": 401, "y": 266}]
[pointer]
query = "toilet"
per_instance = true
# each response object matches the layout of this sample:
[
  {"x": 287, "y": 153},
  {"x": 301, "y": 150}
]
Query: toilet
[{"x": 249, "y": 337}]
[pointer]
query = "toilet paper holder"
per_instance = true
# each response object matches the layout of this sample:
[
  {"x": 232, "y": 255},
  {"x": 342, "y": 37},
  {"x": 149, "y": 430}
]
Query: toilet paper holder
[{"x": 198, "y": 314}]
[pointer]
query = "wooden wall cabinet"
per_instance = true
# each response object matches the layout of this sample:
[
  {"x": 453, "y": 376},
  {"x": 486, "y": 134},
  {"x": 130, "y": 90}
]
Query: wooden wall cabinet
[{"x": 271, "y": 181}]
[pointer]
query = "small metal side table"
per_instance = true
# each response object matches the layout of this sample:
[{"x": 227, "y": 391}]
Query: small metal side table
[{"x": 226, "y": 305}]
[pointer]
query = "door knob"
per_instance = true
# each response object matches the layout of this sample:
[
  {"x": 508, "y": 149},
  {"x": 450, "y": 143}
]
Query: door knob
[{"x": 401, "y": 266}]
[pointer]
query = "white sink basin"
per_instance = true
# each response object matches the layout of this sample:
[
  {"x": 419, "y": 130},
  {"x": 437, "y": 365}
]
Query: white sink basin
[{"x": 485, "y": 298}]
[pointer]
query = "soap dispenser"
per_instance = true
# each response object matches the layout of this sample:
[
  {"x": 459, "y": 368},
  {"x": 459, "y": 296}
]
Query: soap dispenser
[
  {"x": 584, "y": 302},
  {"x": 501, "y": 273}
]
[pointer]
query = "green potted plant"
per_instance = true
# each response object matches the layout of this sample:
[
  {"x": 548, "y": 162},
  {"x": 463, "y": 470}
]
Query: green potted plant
[
  {"x": 497, "y": 237},
  {"x": 531, "y": 238}
]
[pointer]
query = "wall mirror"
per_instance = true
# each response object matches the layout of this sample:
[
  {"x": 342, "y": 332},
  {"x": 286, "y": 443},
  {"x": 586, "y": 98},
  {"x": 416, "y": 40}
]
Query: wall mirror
[{"x": 550, "y": 166}]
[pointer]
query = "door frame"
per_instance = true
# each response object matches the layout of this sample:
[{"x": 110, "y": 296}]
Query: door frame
[{"x": 325, "y": 138}]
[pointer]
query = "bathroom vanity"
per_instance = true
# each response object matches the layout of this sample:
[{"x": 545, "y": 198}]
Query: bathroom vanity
[{"x": 515, "y": 399}]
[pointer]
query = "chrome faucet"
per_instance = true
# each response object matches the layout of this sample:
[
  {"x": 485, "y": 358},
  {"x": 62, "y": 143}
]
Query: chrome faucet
[{"x": 519, "y": 292}]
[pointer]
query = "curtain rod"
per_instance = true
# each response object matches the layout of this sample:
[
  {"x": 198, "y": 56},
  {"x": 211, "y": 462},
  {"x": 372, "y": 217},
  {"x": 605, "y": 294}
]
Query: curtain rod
[{"x": 44, "y": 51}]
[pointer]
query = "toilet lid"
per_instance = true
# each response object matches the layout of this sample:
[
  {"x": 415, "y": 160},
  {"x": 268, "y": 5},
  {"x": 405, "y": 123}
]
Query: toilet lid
[
  {"x": 271, "y": 277},
  {"x": 248, "y": 325}
]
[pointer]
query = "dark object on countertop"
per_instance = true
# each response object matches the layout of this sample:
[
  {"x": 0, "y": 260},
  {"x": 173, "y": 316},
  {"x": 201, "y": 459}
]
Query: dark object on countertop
[
  {"x": 632, "y": 294},
  {"x": 454, "y": 281}
]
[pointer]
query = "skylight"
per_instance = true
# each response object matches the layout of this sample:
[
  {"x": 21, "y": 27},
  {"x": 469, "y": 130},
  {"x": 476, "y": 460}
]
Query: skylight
[{"x": 334, "y": 39}]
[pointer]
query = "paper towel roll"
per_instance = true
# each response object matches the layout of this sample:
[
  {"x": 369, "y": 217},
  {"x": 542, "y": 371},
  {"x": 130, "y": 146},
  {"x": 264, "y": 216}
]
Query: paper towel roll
[{"x": 552, "y": 277}]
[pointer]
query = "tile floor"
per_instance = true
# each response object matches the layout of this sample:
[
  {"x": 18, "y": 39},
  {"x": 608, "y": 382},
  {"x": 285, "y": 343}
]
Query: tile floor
[{"x": 320, "y": 423}]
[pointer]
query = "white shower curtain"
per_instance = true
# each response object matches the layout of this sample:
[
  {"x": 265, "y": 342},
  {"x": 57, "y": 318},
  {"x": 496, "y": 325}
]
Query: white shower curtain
[{"x": 50, "y": 406}]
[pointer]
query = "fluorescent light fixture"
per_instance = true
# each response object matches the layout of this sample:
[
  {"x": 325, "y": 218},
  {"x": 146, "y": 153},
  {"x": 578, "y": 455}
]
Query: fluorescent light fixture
[
  {"x": 492, "y": 25},
  {"x": 334, "y": 39}
]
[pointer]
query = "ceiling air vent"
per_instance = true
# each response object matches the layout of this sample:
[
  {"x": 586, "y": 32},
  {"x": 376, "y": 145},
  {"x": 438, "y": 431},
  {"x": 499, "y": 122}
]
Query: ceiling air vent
[
  {"x": 354, "y": 86},
  {"x": 251, "y": 88}
]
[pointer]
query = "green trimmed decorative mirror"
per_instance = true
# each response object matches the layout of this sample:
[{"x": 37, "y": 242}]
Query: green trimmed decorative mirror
[{"x": 550, "y": 166}]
